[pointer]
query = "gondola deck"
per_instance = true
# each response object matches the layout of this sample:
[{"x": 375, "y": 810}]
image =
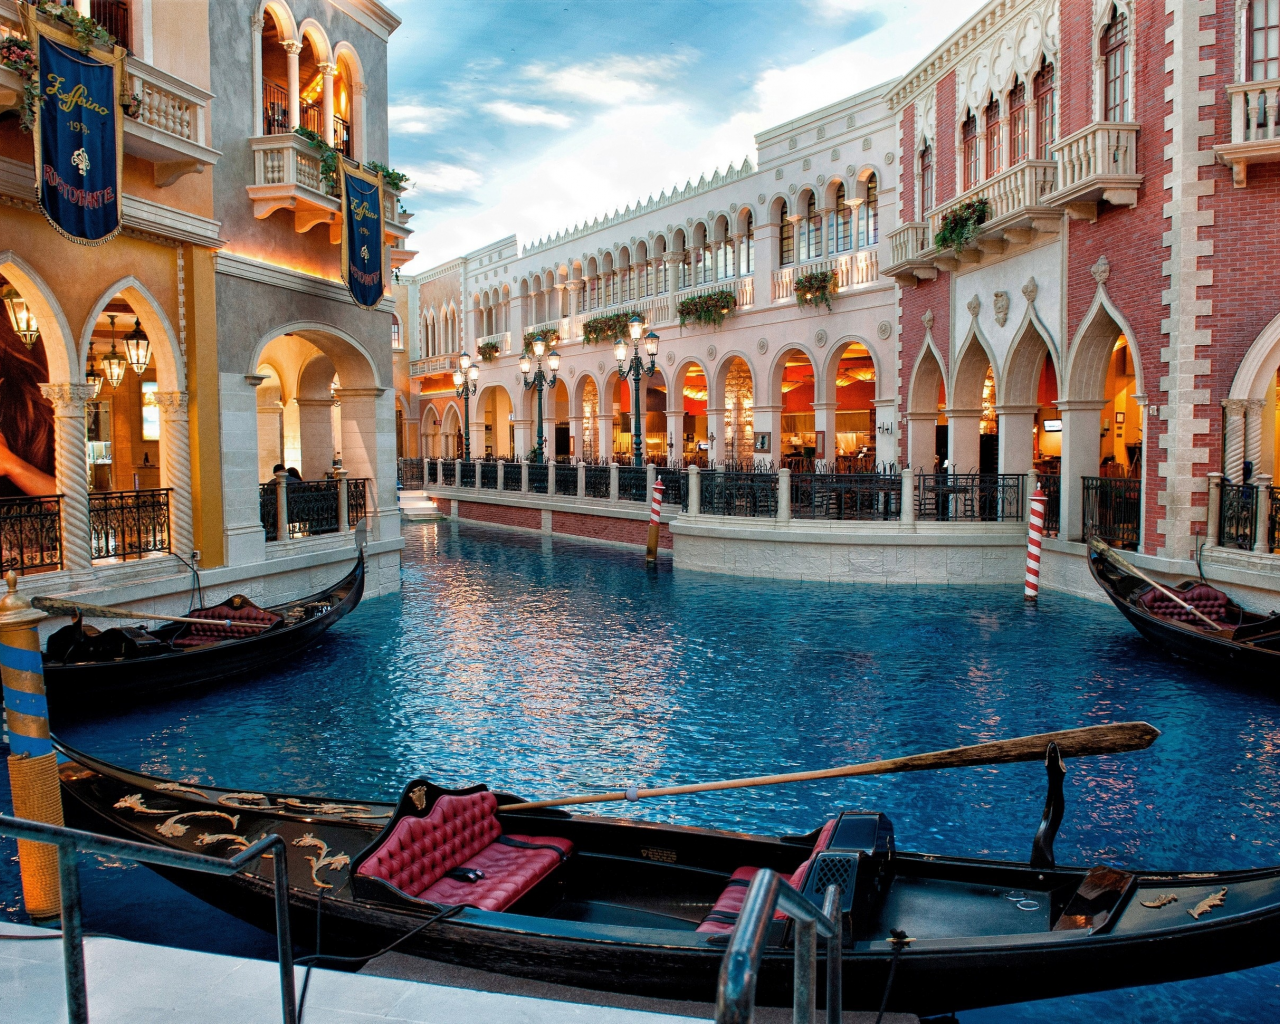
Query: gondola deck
[{"x": 622, "y": 912}]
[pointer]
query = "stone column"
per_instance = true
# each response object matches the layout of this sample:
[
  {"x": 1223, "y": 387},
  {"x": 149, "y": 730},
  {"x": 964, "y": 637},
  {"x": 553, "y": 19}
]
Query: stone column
[
  {"x": 650, "y": 475},
  {"x": 613, "y": 482},
  {"x": 327, "y": 71},
  {"x": 824, "y": 419},
  {"x": 358, "y": 91},
  {"x": 175, "y": 468},
  {"x": 716, "y": 434},
  {"x": 1233, "y": 439},
  {"x": 71, "y": 469},
  {"x": 575, "y": 437},
  {"x": 1214, "y": 526},
  {"x": 315, "y": 432},
  {"x": 908, "y": 514},
  {"x": 582, "y": 479},
  {"x": 282, "y": 505},
  {"x": 695, "y": 491},
  {"x": 962, "y": 439},
  {"x": 1262, "y": 525},
  {"x": 369, "y": 451},
  {"x": 292, "y": 48},
  {"x": 784, "y": 495},
  {"x": 1017, "y": 433},
  {"x": 344, "y": 511},
  {"x": 675, "y": 434},
  {"x": 524, "y": 476},
  {"x": 1253, "y": 433},
  {"x": 768, "y": 253},
  {"x": 767, "y": 419},
  {"x": 502, "y": 474},
  {"x": 1079, "y": 459},
  {"x": 922, "y": 440},
  {"x": 255, "y": 34},
  {"x": 604, "y": 434},
  {"x": 886, "y": 437}
]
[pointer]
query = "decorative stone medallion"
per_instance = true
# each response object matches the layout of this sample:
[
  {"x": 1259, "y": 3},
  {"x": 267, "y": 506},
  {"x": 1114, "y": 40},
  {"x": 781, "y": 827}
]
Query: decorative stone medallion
[
  {"x": 733, "y": 207},
  {"x": 849, "y": 170},
  {"x": 835, "y": 155},
  {"x": 866, "y": 143},
  {"x": 807, "y": 164},
  {"x": 520, "y": 380},
  {"x": 762, "y": 346},
  {"x": 1000, "y": 303},
  {"x": 792, "y": 190},
  {"x": 820, "y": 337},
  {"x": 883, "y": 330},
  {"x": 1101, "y": 271},
  {"x": 760, "y": 199},
  {"x": 600, "y": 366},
  {"x": 888, "y": 158},
  {"x": 572, "y": 371},
  {"x": 777, "y": 174},
  {"x": 822, "y": 179},
  {"x": 711, "y": 351},
  {"x": 671, "y": 359}
]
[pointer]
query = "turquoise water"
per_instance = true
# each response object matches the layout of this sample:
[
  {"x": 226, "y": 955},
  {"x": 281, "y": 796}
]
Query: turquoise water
[{"x": 545, "y": 670}]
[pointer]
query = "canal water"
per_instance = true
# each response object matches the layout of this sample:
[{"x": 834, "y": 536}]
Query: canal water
[{"x": 544, "y": 670}]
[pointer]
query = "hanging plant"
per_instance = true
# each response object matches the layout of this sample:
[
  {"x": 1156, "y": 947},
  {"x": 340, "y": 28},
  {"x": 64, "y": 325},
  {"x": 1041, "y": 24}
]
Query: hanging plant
[
  {"x": 488, "y": 350},
  {"x": 390, "y": 176},
  {"x": 551, "y": 336},
  {"x": 960, "y": 226},
  {"x": 814, "y": 288},
  {"x": 19, "y": 55},
  {"x": 88, "y": 32},
  {"x": 711, "y": 309},
  {"x": 606, "y": 328},
  {"x": 328, "y": 158}
]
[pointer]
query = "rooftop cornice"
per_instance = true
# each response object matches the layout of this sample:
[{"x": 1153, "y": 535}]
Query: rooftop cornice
[
  {"x": 377, "y": 18},
  {"x": 815, "y": 117},
  {"x": 950, "y": 52}
]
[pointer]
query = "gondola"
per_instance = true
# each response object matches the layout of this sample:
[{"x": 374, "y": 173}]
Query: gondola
[
  {"x": 646, "y": 908},
  {"x": 85, "y": 668},
  {"x": 1243, "y": 641}
]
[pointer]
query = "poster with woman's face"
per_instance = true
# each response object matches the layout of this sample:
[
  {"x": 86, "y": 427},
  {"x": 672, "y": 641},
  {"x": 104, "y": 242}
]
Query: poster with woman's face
[{"x": 26, "y": 418}]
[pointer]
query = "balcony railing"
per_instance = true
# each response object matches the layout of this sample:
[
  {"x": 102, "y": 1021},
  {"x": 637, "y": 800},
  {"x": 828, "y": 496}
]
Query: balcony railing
[
  {"x": 311, "y": 507},
  {"x": 848, "y": 270},
  {"x": 1051, "y": 485},
  {"x": 275, "y": 109},
  {"x": 1238, "y": 516},
  {"x": 433, "y": 364},
  {"x": 1095, "y": 164},
  {"x": 1013, "y": 195},
  {"x": 502, "y": 340},
  {"x": 409, "y": 474},
  {"x": 342, "y": 136},
  {"x": 738, "y": 493},
  {"x": 597, "y": 481},
  {"x": 1255, "y": 133},
  {"x": 861, "y": 496},
  {"x": 467, "y": 474},
  {"x": 286, "y": 176},
  {"x": 538, "y": 478},
  {"x": 566, "y": 479},
  {"x": 511, "y": 477},
  {"x": 1113, "y": 510},
  {"x": 633, "y": 483},
  {"x": 128, "y": 524},
  {"x": 970, "y": 497},
  {"x": 113, "y": 15},
  {"x": 30, "y": 534}
]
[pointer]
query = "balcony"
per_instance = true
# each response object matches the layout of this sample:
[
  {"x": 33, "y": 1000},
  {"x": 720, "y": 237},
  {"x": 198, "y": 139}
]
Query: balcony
[
  {"x": 435, "y": 364},
  {"x": 1019, "y": 213},
  {"x": 849, "y": 270},
  {"x": 911, "y": 248},
  {"x": 168, "y": 128},
  {"x": 502, "y": 340},
  {"x": 286, "y": 176},
  {"x": 1098, "y": 164},
  {"x": 10, "y": 90},
  {"x": 1255, "y": 136}
]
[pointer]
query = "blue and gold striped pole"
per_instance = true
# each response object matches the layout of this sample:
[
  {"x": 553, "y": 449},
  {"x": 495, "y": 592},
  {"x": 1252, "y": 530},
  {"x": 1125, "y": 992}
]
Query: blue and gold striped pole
[{"x": 33, "y": 766}]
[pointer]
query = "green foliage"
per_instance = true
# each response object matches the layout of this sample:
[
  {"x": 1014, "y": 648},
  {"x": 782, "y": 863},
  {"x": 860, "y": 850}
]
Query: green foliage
[
  {"x": 328, "y": 158},
  {"x": 488, "y": 351},
  {"x": 814, "y": 288},
  {"x": 711, "y": 309},
  {"x": 551, "y": 336},
  {"x": 88, "y": 32},
  {"x": 606, "y": 328},
  {"x": 391, "y": 177},
  {"x": 960, "y": 226},
  {"x": 18, "y": 55}
]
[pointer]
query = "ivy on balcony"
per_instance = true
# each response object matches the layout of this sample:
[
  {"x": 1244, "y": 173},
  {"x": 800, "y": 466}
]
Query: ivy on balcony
[
  {"x": 390, "y": 176},
  {"x": 88, "y": 32},
  {"x": 18, "y": 55},
  {"x": 606, "y": 328},
  {"x": 960, "y": 226},
  {"x": 488, "y": 350},
  {"x": 551, "y": 336},
  {"x": 328, "y": 158},
  {"x": 814, "y": 288},
  {"x": 710, "y": 310}
]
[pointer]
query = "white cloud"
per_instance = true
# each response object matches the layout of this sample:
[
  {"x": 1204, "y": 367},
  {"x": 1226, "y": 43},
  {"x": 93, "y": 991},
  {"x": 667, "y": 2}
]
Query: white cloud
[
  {"x": 442, "y": 179},
  {"x": 610, "y": 81},
  {"x": 416, "y": 118},
  {"x": 527, "y": 114}
]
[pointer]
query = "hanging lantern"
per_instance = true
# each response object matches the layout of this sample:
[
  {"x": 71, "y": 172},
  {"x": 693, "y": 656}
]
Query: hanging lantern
[
  {"x": 20, "y": 315},
  {"x": 91, "y": 376},
  {"x": 113, "y": 364},
  {"x": 138, "y": 347}
]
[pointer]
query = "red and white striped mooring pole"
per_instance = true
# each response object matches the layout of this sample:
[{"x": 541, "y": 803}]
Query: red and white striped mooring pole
[
  {"x": 1035, "y": 532},
  {"x": 655, "y": 513}
]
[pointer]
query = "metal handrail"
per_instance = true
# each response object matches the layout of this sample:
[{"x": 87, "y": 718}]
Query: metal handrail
[
  {"x": 70, "y": 841},
  {"x": 740, "y": 969}
]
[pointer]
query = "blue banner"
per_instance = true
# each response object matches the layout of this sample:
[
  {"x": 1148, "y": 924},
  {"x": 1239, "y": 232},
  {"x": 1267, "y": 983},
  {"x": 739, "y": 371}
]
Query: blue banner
[
  {"x": 79, "y": 143},
  {"x": 362, "y": 237}
]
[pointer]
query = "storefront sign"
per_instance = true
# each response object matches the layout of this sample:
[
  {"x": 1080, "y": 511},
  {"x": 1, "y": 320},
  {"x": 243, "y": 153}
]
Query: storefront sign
[
  {"x": 363, "y": 250},
  {"x": 79, "y": 139}
]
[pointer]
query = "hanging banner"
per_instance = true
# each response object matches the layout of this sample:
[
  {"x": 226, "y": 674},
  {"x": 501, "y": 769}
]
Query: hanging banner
[
  {"x": 364, "y": 256},
  {"x": 79, "y": 136}
]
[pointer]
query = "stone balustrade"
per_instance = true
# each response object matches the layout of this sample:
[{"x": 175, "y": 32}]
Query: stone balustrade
[{"x": 1255, "y": 136}]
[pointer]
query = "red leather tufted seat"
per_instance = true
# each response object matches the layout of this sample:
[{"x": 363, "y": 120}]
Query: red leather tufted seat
[
  {"x": 1207, "y": 600},
  {"x": 463, "y": 832},
  {"x": 217, "y": 629},
  {"x": 724, "y": 915}
]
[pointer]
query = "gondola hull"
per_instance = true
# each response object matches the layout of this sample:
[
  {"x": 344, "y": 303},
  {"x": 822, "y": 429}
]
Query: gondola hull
[
  {"x": 80, "y": 687},
  {"x": 608, "y": 923}
]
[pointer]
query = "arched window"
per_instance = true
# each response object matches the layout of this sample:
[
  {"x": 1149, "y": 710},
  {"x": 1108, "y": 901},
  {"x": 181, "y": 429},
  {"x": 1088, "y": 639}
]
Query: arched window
[
  {"x": 786, "y": 239},
  {"x": 747, "y": 251},
  {"x": 995, "y": 139},
  {"x": 971, "y": 152},
  {"x": 869, "y": 216},
  {"x": 843, "y": 221},
  {"x": 1019, "y": 128},
  {"x": 1115, "y": 52},
  {"x": 926, "y": 180},
  {"x": 1046, "y": 120},
  {"x": 396, "y": 343},
  {"x": 811, "y": 232},
  {"x": 1264, "y": 39}
]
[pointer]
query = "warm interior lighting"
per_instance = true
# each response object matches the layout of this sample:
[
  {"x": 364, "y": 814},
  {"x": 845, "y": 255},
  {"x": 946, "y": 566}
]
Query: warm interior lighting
[
  {"x": 91, "y": 376},
  {"x": 113, "y": 363},
  {"x": 138, "y": 347},
  {"x": 21, "y": 317},
  {"x": 457, "y": 378},
  {"x": 474, "y": 373}
]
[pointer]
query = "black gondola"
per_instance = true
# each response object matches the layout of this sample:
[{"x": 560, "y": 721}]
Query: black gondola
[
  {"x": 85, "y": 668},
  {"x": 1243, "y": 640},
  {"x": 645, "y": 908}
]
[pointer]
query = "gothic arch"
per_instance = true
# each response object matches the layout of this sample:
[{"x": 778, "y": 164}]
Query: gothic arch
[
  {"x": 1022, "y": 364},
  {"x": 972, "y": 360},
  {"x": 928, "y": 377},
  {"x": 1085, "y": 374}
]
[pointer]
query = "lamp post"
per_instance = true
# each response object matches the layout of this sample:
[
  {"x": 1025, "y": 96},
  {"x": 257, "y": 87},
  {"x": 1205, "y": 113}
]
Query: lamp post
[
  {"x": 633, "y": 372},
  {"x": 540, "y": 380},
  {"x": 464, "y": 386}
]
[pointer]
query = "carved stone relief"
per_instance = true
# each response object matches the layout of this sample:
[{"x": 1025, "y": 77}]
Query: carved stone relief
[{"x": 1000, "y": 303}]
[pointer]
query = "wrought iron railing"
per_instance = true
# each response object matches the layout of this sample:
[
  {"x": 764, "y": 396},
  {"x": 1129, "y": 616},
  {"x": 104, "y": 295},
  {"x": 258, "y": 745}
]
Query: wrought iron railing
[
  {"x": 597, "y": 484},
  {"x": 433, "y": 471},
  {"x": 737, "y": 493},
  {"x": 511, "y": 476},
  {"x": 269, "y": 510},
  {"x": 633, "y": 483},
  {"x": 113, "y": 15},
  {"x": 468, "y": 478},
  {"x": 488, "y": 476},
  {"x": 970, "y": 497},
  {"x": 312, "y": 507},
  {"x": 1051, "y": 485},
  {"x": 1238, "y": 516},
  {"x": 30, "y": 534},
  {"x": 538, "y": 477},
  {"x": 124, "y": 524},
  {"x": 1273, "y": 521},
  {"x": 275, "y": 109},
  {"x": 1113, "y": 510},
  {"x": 566, "y": 479},
  {"x": 342, "y": 135},
  {"x": 846, "y": 496},
  {"x": 450, "y": 469},
  {"x": 357, "y": 501},
  {"x": 675, "y": 486},
  {"x": 409, "y": 474}
]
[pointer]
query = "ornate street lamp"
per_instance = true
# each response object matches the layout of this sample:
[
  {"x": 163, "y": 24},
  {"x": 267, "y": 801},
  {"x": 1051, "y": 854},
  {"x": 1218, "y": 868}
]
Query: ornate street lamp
[
  {"x": 91, "y": 376},
  {"x": 633, "y": 372},
  {"x": 113, "y": 363},
  {"x": 20, "y": 315},
  {"x": 464, "y": 386},
  {"x": 138, "y": 347},
  {"x": 540, "y": 380}
]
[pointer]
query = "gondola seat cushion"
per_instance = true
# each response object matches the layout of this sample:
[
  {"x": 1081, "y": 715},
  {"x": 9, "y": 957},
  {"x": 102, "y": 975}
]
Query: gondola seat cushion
[
  {"x": 463, "y": 832},
  {"x": 724, "y": 915},
  {"x": 218, "y": 629},
  {"x": 1207, "y": 600}
]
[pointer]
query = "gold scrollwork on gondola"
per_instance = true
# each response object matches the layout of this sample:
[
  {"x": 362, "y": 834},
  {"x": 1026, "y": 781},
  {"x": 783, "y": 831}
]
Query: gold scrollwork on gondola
[
  {"x": 1215, "y": 899},
  {"x": 174, "y": 827},
  {"x": 334, "y": 861},
  {"x": 1160, "y": 901}
]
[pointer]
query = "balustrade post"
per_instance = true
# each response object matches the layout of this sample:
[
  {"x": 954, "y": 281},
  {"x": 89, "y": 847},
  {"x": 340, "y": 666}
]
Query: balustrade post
[
  {"x": 282, "y": 505},
  {"x": 457, "y": 473},
  {"x": 650, "y": 475},
  {"x": 613, "y": 481},
  {"x": 440, "y": 472},
  {"x": 1214, "y": 527},
  {"x": 479, "y": 473},
  {"x": 784, "y": 495},
  {"x": 908, "y": 513},
  {"x": 502, "y": 473},
  {"x": 524, "y": 476},
  {"x": 695, "y": 490},
  {"x": 551, "y": 478},
  {"x": 1261, "y": 530},
  {"x": 344, "y": 513},
  {"x": 582, "y": 479}
]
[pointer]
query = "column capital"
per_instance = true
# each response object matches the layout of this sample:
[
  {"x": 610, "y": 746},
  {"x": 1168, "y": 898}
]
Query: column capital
[
  {"x": 172, "y": 401},
  {"x": 1234, "y": 406},
  {"x": 1254, "y": 405},
  {"x": 292, "y": 46},
  {"x": 327, "y": 69},
  {"x": 67, "y": 399},
  {"x": 256, "y": 23}
]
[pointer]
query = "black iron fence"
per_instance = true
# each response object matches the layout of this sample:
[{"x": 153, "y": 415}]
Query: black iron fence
[
  {"x": 30, "y": 534},
  {"x": 1051, "y": 485},
  {"x": 538, "y": 477},
  {"x": 1273, "y": 522},
  {"x": 468, "y": 477},
  {"x": 433, "y": 471},
  {"x": 450, "y": 470},
  {"x": 511, "y": 476},
  {"x": 1113, "y": 510},
  {"x": 597, "y": 483},
  {"x": 409, "y": 474},
  {"x": 125, "y": 524},
  {"x": 357, "y": 501},
  {"x": 488, "y": 476},
  {"x": 633, "y": 483},
  {"x": 566, "y": 479},
  {"x": 846, "y": 496},
  {"x": 738, "y": 493},
  {"x": 1238, "y": 516},
  {"x": 970, "y": 497},
  {"x": 311, "y": 506},
  {"x": 675, "y": 486}
]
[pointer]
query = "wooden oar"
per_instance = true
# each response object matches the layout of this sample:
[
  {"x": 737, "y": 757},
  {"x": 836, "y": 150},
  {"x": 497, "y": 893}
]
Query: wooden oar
[
  {"x": 1107, "y": 551},
  {"x": 57, "y": 606},
  {"x": 1082, "y": 742}
]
